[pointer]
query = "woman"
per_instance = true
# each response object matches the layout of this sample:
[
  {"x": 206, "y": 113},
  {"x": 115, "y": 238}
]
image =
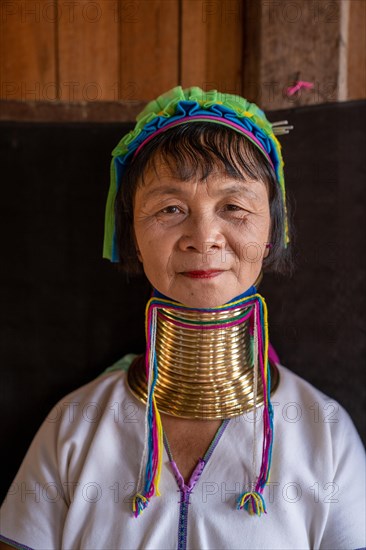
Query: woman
[{"x": 195, "y": 444}]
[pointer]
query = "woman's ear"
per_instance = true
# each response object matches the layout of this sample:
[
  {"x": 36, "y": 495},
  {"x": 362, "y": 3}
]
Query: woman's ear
[
  {"x": 138, "y": 253},
  {"x": 267, "y": 248}
]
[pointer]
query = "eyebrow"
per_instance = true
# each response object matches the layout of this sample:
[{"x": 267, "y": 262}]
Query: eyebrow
[{"x": 240, "y": 189}]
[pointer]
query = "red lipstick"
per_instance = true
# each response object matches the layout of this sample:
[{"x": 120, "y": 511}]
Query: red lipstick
[{"x": 202, "y": 274}]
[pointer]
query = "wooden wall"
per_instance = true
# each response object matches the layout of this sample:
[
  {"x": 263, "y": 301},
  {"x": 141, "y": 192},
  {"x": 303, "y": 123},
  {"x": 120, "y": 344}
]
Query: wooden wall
[
  {"x": 118, "y": 49},
  {"x": 317, "y": 41},
  {"x": 132, "y": 50}
]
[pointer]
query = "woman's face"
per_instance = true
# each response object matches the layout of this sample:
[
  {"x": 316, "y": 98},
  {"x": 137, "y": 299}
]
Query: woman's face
[{"x": 201, "y": 243}]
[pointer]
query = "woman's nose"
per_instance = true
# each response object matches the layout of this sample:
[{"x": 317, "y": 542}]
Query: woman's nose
[{"x": 201, "y": 233}]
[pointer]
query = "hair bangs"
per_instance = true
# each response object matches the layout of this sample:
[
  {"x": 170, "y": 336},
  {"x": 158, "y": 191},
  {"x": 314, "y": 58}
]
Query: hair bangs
[{"x": 197, "y": 150}]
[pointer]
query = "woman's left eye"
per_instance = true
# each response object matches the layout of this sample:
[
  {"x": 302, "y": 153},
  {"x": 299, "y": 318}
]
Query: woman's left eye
[
  {"x": 170, "y": 210},
  {"x": 232, "y": 207},
  {"x": 234, "y": 211}
]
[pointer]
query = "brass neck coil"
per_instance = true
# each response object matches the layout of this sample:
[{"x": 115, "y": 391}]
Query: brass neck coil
[{"x": 205, "y": 371}]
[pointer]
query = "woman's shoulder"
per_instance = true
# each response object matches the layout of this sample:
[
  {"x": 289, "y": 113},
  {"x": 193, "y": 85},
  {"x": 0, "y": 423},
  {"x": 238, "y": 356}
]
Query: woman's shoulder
[
  {"x": 111, "y": 380},
  {"x": 318, "y": 452},
  {"x": 93, "y": 404},
  {"x": 95, "y": 414},
  {"x": 296, "y": 401},
  {"x": 292, "y": 384}
]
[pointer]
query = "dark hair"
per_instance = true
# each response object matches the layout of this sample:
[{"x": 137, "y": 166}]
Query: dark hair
[{"x": 198, "y": 149}]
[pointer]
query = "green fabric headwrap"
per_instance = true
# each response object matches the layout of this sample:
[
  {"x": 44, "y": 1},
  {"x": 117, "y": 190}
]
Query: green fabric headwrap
[{"x": 179, "y": 106}]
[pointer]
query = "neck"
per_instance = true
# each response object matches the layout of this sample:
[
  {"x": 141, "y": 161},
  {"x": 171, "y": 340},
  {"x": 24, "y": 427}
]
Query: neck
[{"x": 205, "y": 360}]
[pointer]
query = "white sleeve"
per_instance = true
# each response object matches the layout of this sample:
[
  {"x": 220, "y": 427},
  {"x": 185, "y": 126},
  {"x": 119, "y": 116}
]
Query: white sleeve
[
  {"x": 34, "y": 510},
  {"x": 346, "y": 524}
]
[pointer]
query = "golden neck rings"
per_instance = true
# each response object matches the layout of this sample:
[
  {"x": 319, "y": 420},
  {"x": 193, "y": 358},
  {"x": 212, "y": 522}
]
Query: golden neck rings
[{"x": 205, "y": 364}]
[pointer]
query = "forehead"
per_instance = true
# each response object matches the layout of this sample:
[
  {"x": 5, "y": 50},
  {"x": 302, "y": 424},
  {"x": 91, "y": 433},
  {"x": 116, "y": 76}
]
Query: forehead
[{"x": 160, "y": 180}]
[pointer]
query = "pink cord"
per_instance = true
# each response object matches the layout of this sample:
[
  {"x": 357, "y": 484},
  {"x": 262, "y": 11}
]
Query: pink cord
[{"x": 297, "y": 87}]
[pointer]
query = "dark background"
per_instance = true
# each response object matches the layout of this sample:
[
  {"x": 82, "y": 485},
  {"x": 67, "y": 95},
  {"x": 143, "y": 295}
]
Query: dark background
[{"x": 66, "y": 314}]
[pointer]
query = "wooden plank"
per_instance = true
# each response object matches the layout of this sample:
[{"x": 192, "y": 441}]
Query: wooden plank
[
  {"x": 148, "y": 48},
  {"x": 356, "y": 77},
  {"x": 27, "y": 50},
  {"x": 62, "y": 111},
  {"x": 88, "y": 50},
  {"x": 299, "y": 41},
  {"x": 251, "y": 49},
  {"x": 212, "y": 44}
]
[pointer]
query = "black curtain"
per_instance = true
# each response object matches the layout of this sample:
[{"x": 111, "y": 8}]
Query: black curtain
[{"x": 67, "y": 314}]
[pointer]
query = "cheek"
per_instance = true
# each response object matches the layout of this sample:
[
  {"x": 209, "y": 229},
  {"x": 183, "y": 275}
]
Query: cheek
[
  {"x": 144, "y": 238},
  {"x": 154, "y": 252},
  {"x": 252, "y": 252},
  {"x": 250, "y": 243},
  {"x": 255, "y": 229}
]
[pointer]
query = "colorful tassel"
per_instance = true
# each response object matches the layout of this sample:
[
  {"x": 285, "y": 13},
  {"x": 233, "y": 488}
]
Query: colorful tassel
[
  {"x": 139, "y": 504},
  {"x": 153, "y": 448},
  {"x": 252, "y": 501}
]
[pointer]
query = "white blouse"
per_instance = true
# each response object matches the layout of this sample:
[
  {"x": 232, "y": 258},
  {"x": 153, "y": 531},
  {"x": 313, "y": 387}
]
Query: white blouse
[{"x": 74, "y": 487}]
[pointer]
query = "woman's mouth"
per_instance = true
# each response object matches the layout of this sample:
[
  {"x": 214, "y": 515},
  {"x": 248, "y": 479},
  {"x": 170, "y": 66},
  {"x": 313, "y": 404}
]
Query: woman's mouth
[{"x": 210, "y": 273}]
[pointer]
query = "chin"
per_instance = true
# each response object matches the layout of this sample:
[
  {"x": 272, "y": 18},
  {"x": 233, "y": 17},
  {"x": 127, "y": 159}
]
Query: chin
[
  {"x": 206, "y": 299},
  {"x": 208, "y": 293},
  {"x": 203, "y": 304}
]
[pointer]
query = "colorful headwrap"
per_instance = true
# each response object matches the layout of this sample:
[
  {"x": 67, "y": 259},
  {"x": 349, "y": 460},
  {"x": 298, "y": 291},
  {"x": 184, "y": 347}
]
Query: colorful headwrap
[{"x": 178, "y": 106}]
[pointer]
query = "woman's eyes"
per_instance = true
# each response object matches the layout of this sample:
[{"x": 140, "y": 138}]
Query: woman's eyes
[
  {"x": 232, "y": 207},
  {"x": 174, "y": 209},
  {"x": 235, "y": 211}
]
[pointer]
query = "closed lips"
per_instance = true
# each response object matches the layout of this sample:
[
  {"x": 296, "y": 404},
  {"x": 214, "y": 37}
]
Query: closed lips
[{"x": 203, "y": 274}]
